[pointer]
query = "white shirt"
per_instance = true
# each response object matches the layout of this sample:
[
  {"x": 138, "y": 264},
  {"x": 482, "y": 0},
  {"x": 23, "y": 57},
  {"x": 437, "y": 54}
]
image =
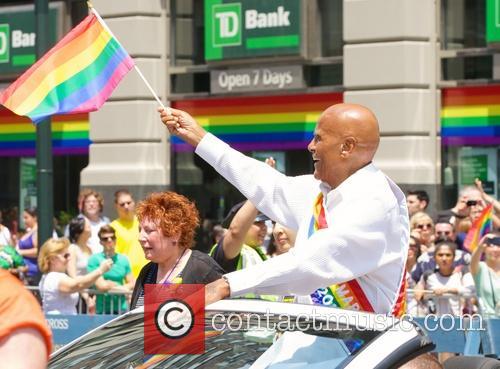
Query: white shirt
[
  {"x": 53, "y": 300},
  {"x": 450, "y": 303},
  {"x": 4, "y": 236},
  {"x": 367, "y": 234},
  {"x": 82, "y": 259}
]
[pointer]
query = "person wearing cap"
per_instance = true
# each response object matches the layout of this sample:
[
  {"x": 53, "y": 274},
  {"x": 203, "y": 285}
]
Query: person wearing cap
[
  {"x": 240, "y": 246},
  {"x": 352, "y": 220}
]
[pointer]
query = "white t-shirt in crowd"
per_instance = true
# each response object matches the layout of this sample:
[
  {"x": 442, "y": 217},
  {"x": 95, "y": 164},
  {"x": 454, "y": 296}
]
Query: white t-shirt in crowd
[
  {"x": 450, "y": 303},
  {"x": 82, "y": 259},
  {"x": 53, "y": 300},
  {"x": 4, "y": 236}
]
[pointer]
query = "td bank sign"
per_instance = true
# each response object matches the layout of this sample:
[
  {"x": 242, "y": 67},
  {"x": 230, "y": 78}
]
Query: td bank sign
[{"x": 251, "y": 28}]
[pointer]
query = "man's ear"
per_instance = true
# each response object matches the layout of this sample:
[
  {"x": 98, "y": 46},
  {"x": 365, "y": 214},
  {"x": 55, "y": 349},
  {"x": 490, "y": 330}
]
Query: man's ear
[{"x": 348, "y": 146}]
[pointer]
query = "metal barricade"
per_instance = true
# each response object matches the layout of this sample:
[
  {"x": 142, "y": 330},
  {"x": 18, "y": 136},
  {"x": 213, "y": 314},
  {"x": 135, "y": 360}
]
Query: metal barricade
[{"x": 111, "y": 302}]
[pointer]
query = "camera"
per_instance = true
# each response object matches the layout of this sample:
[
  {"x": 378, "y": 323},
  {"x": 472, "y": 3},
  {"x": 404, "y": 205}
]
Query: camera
[{"x": 471, "y": 202}]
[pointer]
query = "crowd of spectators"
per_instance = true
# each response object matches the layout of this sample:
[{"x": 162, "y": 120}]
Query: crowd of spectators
[{"x": 443, "y": 277}]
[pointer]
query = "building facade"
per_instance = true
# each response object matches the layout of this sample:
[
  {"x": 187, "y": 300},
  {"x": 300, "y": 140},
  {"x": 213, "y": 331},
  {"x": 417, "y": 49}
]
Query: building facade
[{"x": 258, "y": 73}]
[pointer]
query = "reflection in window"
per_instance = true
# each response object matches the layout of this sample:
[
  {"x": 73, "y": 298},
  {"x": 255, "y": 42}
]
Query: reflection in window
[{"x": 463, "y": 24}]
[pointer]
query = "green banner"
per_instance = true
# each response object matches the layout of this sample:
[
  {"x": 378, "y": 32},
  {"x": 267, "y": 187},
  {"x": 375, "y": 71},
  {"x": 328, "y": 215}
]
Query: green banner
[
  {"x": 493, "y": 21},
  {"x": 18, "y": 39},
  {"x": 251, "y": 28}
]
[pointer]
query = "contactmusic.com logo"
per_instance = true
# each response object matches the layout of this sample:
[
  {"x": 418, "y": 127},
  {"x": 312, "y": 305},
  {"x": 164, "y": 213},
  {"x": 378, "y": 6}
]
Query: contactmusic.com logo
[{"x": 174, "y": 317}]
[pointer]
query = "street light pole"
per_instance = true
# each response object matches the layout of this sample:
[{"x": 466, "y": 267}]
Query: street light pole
[{"x": 45, "y": 192}]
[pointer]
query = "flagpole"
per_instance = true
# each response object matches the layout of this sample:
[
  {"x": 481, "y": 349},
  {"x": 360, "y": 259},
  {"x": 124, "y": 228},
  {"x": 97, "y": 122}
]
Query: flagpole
[{"x": 148, "y": 85}]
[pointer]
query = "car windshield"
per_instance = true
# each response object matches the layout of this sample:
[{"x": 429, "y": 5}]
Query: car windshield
[{"x": 235, "y": 337}]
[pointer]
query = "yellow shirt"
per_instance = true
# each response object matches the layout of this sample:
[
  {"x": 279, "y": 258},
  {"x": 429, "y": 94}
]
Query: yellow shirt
[{"x": 127, "y": 243}]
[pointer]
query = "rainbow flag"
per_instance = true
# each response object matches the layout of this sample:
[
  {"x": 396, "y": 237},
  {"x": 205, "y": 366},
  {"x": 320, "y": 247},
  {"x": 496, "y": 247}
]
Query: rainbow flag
[
  {"x": 76, "y": 76},
  {"x": 480, "y": 227}
]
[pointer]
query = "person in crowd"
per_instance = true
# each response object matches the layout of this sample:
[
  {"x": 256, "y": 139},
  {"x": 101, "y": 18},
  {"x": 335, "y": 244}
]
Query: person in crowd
[
  {"x": 27, "y": 246},
  {"x": 168, "y": 222},
  {"x": 488, "y": 199},
  {"x": 282, "y": 241},
  {"x": 79, "y": 234},
  {"x": 486, "y": 274},
  {"x": 80, "y": 252},
  {"x": 246, "y": 230},
  {"x": 348, "y": 233},
  {"x": 25, "y": 337},
  {"x": 117, "y": 279},
  {"x": 411, "y": 269},
  {"x": 92, "y": 205},
  {"x": 5, "y": 237},
  {"x": 58, "y": 290},
  {"x": 417, "y": 201},
  {"x": 468, "y": 198},
  {"x": 446, "y": 283},
  {"x": 427, "y": 261},
  {"x": 127, "y": 231},
  {"x": 422, "y": 227},
  {"x": 12, "y": 261}
]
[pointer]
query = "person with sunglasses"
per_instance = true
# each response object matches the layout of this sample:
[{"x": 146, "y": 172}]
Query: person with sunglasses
[
  {"x": 422, "y": 227},
  {"x": 118, "y": 279},
  {"x": 58, "y": 290}
]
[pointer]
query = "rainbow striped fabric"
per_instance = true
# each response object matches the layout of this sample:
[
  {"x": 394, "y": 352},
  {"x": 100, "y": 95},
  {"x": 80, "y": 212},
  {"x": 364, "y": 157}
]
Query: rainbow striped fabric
[
  {"x": 347, "y": 295},
  {"x": 480, "y": 227},
  {"x": 70, "y": 135},
  {"x": 77, "y": 75},
  {"x": 471, "y": 116},
  {"x": 259, "y": 123}
]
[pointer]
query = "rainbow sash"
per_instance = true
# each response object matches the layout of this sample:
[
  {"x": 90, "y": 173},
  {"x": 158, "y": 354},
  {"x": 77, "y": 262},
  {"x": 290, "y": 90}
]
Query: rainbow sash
[{"x": 347, "y": 295}]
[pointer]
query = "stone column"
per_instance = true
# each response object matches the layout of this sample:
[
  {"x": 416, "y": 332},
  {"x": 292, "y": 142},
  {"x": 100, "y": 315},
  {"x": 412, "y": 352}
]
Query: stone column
[
  {"x": 391, "y": 66},
  {"x": 130, "y": 146}
]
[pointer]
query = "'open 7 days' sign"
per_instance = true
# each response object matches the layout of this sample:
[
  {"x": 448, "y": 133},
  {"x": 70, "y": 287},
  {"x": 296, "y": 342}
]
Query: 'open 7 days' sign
[{"x": 251, "y": 28}]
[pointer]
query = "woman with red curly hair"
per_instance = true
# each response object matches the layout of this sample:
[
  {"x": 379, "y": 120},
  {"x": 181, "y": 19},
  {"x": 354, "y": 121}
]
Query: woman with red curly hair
[{"x": 167, "y": 228}]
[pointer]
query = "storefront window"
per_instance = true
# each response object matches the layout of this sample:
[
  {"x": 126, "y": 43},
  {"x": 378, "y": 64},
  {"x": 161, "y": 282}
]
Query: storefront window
[
  {"x": 187, "y": 32},
  {"x": 463, "y": 24},
  {"x": 331, "y": 27},
  {"x": 466, "y": 163}
]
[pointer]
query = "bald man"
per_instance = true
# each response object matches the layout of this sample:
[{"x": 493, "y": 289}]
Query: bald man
[{"x": 351, "y": 220}]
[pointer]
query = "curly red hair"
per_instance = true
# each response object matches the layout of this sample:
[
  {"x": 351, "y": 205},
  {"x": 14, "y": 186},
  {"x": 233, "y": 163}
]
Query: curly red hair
[{"x": 174, "y": 215}]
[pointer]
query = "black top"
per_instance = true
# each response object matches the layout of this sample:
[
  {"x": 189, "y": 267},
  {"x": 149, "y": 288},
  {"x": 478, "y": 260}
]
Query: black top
[
  {"x": 229, "y": 265},
  {"x": 200, "y": 269}
]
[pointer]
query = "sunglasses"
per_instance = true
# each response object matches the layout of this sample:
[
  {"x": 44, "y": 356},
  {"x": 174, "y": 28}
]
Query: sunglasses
[
  {"x": 122, "y": 204},
  {"x": 422, "y": 226},
  {"x": 107, "y": 239}
]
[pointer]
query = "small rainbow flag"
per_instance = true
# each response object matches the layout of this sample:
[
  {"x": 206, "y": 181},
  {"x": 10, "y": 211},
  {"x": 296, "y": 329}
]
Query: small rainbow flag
[
  {"x": 480, "y": 227},
  {"x": 76, "y": 76}
]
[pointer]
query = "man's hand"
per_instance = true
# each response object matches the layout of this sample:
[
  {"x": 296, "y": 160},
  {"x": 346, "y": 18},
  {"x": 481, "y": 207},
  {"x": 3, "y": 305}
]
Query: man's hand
[
  {"x": 217, "y": 290},
  {"x": 181, "y": 124}
]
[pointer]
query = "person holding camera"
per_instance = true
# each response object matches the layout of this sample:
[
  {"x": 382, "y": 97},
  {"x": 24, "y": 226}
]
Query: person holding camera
[
  {"x": 469, "y": 198},
  {"x": 486, "y": 274}
]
